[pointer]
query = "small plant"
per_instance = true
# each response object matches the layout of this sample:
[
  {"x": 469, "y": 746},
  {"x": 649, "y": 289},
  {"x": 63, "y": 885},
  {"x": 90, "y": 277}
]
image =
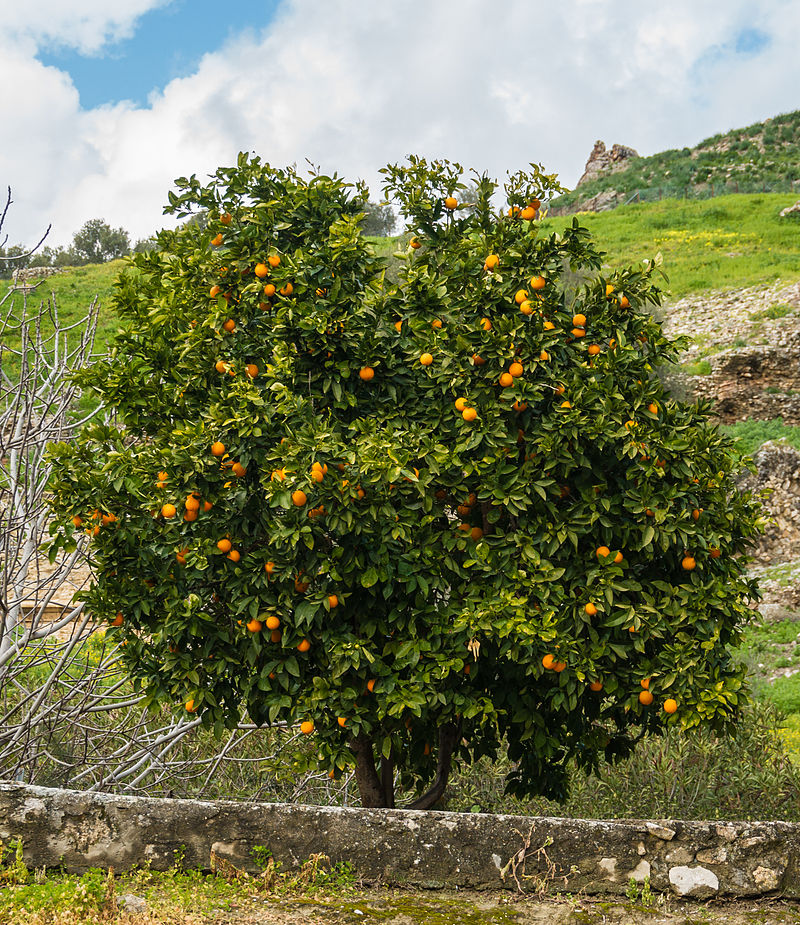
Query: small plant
[
  {"x": 700, "y": 368},
  {"x": 13, "y": 870},
  {"x": 261, "y": 855}
]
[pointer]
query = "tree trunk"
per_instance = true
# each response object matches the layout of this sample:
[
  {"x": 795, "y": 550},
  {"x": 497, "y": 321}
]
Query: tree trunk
[
  {"x": 369, "y": 784},
  {"x": 387, "y": 781},
  {"x": 449, "y": 735}
]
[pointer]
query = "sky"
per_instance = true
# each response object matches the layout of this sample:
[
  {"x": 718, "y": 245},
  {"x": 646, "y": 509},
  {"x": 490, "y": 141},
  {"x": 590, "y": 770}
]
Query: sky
[{"x": 104, "y": 104}]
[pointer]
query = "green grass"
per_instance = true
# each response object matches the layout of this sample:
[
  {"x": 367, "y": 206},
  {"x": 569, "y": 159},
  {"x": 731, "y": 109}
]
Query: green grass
[
  {"x": 749, "y": 435},
  {"x": 731, "y": 241}
]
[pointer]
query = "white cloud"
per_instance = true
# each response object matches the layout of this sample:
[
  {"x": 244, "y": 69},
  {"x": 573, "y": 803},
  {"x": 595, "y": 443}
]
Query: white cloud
[{"x": 352, "y": 86}]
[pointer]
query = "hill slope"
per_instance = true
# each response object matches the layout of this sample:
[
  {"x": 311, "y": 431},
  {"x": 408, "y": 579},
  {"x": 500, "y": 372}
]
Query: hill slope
[{"x": 763, "y": 157}]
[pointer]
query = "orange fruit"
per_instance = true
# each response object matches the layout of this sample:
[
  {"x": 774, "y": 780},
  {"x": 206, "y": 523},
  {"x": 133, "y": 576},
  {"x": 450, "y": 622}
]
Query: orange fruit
[
  {"x": 645, "y": 698},
  {"x": 450, "y": 203},
  {"x": 426, "y": 359},
  {"x": 217, "y": 240},
  {"x": 226, "y": 218},
  {"x": 461, "y": 404},
  {"x": 168, "y": 510},
  {"x": 118, "y": 620},
  {"x": 261, "y": 270},
  {"x": 238, "y": 469},
  {"x": 371, "y": 685},
  {"x": 516, "y": 370},
  {"x": 544, "y": 356},
  {"x": 252, "y": 370},
  {"x": 548, "y": 661},
  {"x": 593, "y": 350},
  {"x": 207, "y": 505},
  {"x": 414, "y": 242},
  {"x": 317, "y": 475},
  {"x": 214, "y": 291},
  {"x": 538, "y": 282},
  {"x": 234, "y": 555},
  {"x": 618, "y": 558},
  {"x": 224, "y": 545},
  {"x": 486, "y": 324},
  {"x": 548, "y": 326},
  {"x": 469, "y": 414},
  {"x": 528, "y": 214},
  {"x": 559, "y": 666},
  {"x": 190, "y": 516},
  {"x": 645, "y": 683},
  {"x": 579, "y": 321},
  {"x": 230, "y": 325},
  {"x": 254, "y": 626},
  {"x": 274, "y": 260},
  {"x": 77, "y": 521},
  {"x": 652, "y": 408},
  {"x": 526, "y": 307},
  {"x": 436, "y": 324},
  {"x": 491, "y": 261},
  {"x": 306, "y": 727},
  {"x": 272, "y": 622},
  {"x": 578, "y": 332},
  {"x": 476, "y": 533},
  {"x": 303, "y": 646},
  {"x": 269, "y": 290},
  {"x": 602, "y": 552},
  {"x": 217, "y": 449},
  {"x": 715, "y": 552},
  {"x": 566, "y": 404},
  {"x": 596, "y": 686},
  {"x": 590, "y": 609},
  {"x": 288, "y": 289},
  {"x": 220, "y": 366},
  {"x": 624, "y": 303},
  {"x": 520, "y": 405},
  {"x": 299, "y": 498},
  {"x": 506, "y": 380},
  {"x": 695, "y": 514},
  {"x": 341, "y": 720},
  {"x": 190, "y": 707},
  {"x": 609, "y": 289},
  {"x": 275, "y": 636},
  {"x": 162, "y": 476},
  {"x": 478, "y": 360},
  {"x": 670, "y": 705},
  {"x": 299, "y": 585},
  {"x": 366, "y": 373},
  {"x": 520, "y": 296},
  {"x": 398, "y": 326},
  {"x": 333, "y": 601},
  {"x": 688, "y": 563}
]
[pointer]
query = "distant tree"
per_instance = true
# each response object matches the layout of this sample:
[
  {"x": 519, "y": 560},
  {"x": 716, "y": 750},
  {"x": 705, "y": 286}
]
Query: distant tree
[
  {"x": 145, "y": 245},
  {"x": 97, "y": 242},
  {"x": 379, "y": 220}
]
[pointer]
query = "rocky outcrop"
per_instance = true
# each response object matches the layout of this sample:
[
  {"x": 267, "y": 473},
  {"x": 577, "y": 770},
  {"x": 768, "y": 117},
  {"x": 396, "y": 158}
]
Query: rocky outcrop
[
  {"x": 778, "y": 471},
  {"x": 78, "y": 830},
  {"x": 791, "y": 210},
  {"x": 602, "y": 160}
]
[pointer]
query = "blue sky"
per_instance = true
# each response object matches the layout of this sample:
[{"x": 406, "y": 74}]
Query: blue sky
[
  {"x": 168, "y": 42},
  {"x": 110, "y": 101}
]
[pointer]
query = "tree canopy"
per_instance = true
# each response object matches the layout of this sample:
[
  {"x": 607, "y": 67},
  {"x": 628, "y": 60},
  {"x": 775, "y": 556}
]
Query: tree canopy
[{"x": 425, "y": 519}]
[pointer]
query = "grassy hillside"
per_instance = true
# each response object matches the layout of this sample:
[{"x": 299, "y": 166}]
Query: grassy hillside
[{"x": 765, "y": 154}]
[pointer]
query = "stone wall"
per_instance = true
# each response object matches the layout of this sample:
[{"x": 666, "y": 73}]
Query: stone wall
[
  {"x": 78, "y": 830},
  {"x": 28, "y": 274}
]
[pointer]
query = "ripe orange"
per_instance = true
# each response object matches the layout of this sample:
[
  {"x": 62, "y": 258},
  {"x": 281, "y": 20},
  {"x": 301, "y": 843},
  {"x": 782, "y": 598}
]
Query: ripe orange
[
  {"x": 645, "y": 683},
  {"x": 341, "y": 720},
  {"x": 254, "y": 626},
  {"x": 491, "y": 261},
  {"x": 299, "y": 498},
  {"x": 303, "y": 646},
  {"x": 398, "y": 325},
  {"x": 214, "y": 291},
  {"x": 234, "y": 555},
  {"x": 287, "y": 290},
  {"x": 272, "y": 622},
  {"x": 506, "y": 379},
  {"x": 230, "y": 325},
  {"x": 516, "y": 369},
  {"x": 645, "y": 698},
  {"x": 469, "y": 414},
  {"x": 224, "y": 545},
  {"x": 238, "y": 469},
  {"x": 544, "y": 356},
  {"x": 190, "y": 706},
  {"x": 450, "y": 203},
  {"x": 652, "y": 408},
  {"x": 528, "y": 214},
  {"x": 478, "y": 360},
  {"x": 261, "y": 270},
  {"x": 306, "y": 727},
  {"x": 624, "y": 303},
  {"x": 593, "y": 350},
  {"x": 225, "y": 219},
  {"x": 578, "y": 332},
  {"x": 371, "y": 685},
  {"x": 299, "y": 585},
  {"x": 436, "y": 324},
  {"x": 252, "y": 370},
  {"x": 548, "y": 326},
  {"x": 486, "y": 324},
  {"x": 602, "y": 552},
  {"x": 714, "y": 551},
  {"x": 77, "y": 521},
  {"x": 168, "y": 510},
  {"x": 566, "y": 404},
  {"x": 609, "y": 289},
  {"x": 275, "y": 636},
  {"x": 596, "y": 686},
  {"x": 670, "y": 705},
  {"x": 220, "y": 366},
  {"x": 590, "y": 609},
  {"x": 207, "y": 505},
  {"x": 520, "y": 296},
  {"x": 696, "y": 514},
  {"x": 476, "y": 533},
  {"x": 538, "y": 282},
  {"x": 461, "y": 404},
  {"x": 618, "y": 558},
  {"x": 426, "y": 359},
  {"x": 688, "y": 563},
  {"x": 520, "y": 405},
  {"x": 559, "y": 666},
  {"x": 274, "y": 260},
  {"x": 217, "y": 240},
  {"x": 269, "y": 290},
  {"x": 217, "y": 449},
  {"x": 333, "y": 601},
  {"x": 526, "y": 307},
  {"x": 190, "y": 516},
  {"x": 366, "y": 373},
  {"x": 548, "y": 660},
  {"x": 118, "y": 620},
  {"x": 414, "y": 242}
]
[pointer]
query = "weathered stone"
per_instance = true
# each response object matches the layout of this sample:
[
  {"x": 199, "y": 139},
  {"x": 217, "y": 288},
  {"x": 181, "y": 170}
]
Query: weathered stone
[
  {"x": 694, "y": 882},
  {"x": 130, "y": 903},
  {"x": 712, "y": 856},
  {"x": 680, "y": 855},
  {"x": 726, "y": 832},
  {"x": 640, "y": 873},
  {"x": 766, "y": 879},
  {"x": 603, "y": 161},
  {"x": 660, "y": 831},
  {"x": 790, "y": 210}
]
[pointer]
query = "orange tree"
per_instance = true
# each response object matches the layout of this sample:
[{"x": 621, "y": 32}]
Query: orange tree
[{"x": 420, "y": 517}]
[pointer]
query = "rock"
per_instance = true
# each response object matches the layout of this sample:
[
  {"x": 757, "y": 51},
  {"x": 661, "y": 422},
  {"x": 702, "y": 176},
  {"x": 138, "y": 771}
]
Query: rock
[
  {"x": 660, "y": 831},
  {"x": 130, "y": 903},
  {"x": 603, "y": 161},
  {"x": 766, "y": 879},
  {"x": 693, "y": 882},
  {"x": 790, "y": 210}
]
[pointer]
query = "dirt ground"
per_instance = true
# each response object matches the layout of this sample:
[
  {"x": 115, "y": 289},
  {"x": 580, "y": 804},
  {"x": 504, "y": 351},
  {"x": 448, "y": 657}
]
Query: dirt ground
[{"x": 461, "y": 908}]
